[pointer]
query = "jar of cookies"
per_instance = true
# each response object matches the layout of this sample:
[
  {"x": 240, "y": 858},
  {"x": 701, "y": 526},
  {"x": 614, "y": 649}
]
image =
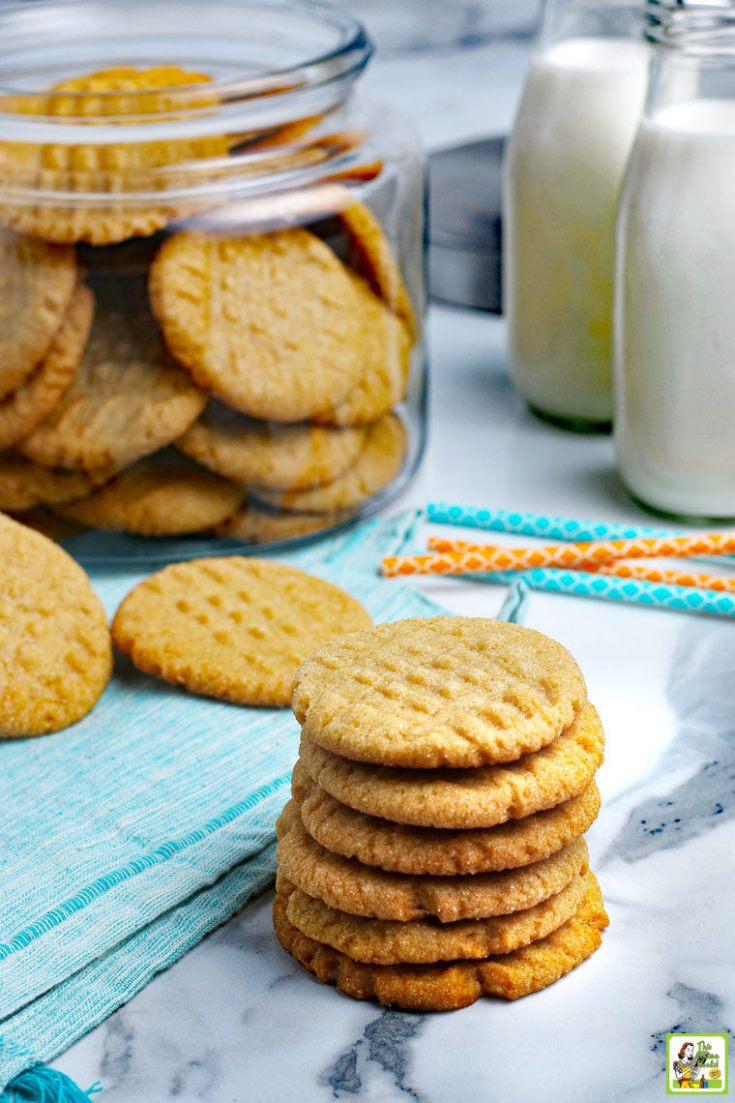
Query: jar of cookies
[{"x": 211, "y": 272}]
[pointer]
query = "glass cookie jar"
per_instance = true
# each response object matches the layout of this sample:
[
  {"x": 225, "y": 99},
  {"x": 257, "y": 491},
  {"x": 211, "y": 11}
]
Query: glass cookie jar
[{"x": 211, "y": 258}]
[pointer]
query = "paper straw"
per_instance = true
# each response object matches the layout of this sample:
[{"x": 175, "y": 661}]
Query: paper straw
[
  {"x": 661, "y": 574},
  {"x": 475, "y": 559},
  {"x": 460, "y": 556},
  {"x": 535, "y": 524},
  {"x": 654, "y": 595},
  {"x": 481, "y": 559}
]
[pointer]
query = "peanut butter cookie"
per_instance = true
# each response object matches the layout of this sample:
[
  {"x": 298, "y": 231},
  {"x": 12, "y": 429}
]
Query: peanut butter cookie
[
  {"x": 259, "y": 526},
  {"x": 129, "y": 397},
  {"x": 459, "y": 799},
  {"x": 437, "y": 851},
  {"x": 36, "y": 286},
  {"x": 375, "y": 467},
  {"x": 124, "y": 95},
  {"x": 55, "y": 650},
  {"x": 39, "y": 394},
  {"x": 445, "y": 691},
  {"x": 269, "y": 323},
  {"x": 385, "y": 351},
  {"x": 273, "y": 455},
  {"x": 24, "y": 485},
  {"x": 390, "y": 942},
  {"x": 233, "y": 628},
  {"x": 375, "y": 893},
  {"x": 370, "y": 254},
  {"x": 445, "y": 987},
  {"x": 157, "y": 497}
]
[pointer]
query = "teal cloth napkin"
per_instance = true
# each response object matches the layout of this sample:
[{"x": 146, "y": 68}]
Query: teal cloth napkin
[{"x": 128, "y": 837}]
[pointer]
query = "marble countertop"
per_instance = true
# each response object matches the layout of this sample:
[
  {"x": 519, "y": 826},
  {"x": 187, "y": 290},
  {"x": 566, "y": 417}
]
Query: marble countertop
[{"x": 237, "y": 1020}]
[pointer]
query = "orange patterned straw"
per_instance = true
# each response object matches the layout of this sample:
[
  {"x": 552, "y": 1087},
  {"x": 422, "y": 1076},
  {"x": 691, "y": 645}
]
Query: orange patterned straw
[
  {"x": 660, "y": 574},
  {"x": 461, "y": 557}
]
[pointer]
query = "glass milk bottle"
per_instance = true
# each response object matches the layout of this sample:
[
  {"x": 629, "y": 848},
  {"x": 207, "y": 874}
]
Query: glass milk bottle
[
  {"x": 578, "y": 114},
  {"x": 675, "y": 281}
]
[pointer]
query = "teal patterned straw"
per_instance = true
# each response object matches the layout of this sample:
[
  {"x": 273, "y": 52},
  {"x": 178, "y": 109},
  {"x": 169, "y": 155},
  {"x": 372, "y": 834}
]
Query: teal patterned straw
[
  {"x": 534, "y": 524},
  {"x": 657, "y": 595}
]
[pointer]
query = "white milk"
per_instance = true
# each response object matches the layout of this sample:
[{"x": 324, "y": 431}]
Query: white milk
[
  {"x": 675, "y": 312},
  {"x": 582, "y": 102}
]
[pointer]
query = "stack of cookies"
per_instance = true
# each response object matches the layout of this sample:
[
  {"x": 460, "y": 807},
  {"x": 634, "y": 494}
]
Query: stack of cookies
[
  {"x": 153, "y": 380},
  {"x": 433, "y": 848}
]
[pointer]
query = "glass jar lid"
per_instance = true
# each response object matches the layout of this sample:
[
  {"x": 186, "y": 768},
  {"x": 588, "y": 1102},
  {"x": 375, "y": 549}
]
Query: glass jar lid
[{"x": 267, "y": 62}]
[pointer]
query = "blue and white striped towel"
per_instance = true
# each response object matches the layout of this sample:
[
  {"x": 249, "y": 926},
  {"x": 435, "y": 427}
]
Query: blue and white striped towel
[{"x": 128, "y": 837}]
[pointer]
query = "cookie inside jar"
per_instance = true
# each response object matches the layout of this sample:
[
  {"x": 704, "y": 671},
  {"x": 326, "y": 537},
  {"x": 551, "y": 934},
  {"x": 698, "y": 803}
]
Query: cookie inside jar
[{"x": 217, "y": 248}]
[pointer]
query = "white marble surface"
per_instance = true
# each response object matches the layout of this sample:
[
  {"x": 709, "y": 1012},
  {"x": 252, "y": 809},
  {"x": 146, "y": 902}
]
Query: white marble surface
[{"x": 237, "y": 1020}]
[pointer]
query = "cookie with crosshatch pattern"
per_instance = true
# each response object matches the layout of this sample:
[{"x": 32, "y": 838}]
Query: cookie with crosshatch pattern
[
  {"x": 478, "y": 797},
  {"x": 36, "y": 285},
  {"x": 252, "y": 525},
  {"x": 128, "y": 397},
  {"x": 157, "y": 496},
  {"x": 55, "y": 649},
  {"x": 269, "y": 323},
  {"x": 443, "y": 691},
  {"x": 235, "y": 628},
  {"x": 436, "y": 851},
  {"x": 376, "y": 465},
  {"x": 24, "y": 485},
  {"x": 445, "y": 986},
  {"x": 122, "y": 95},
  {"x": 375, "y": 893},
  {"x": 35, "y": 398},
  {"x": 423, "y": 941},
  {"x": 385, "y": 350},
  {"x": 279, "y": 456}
]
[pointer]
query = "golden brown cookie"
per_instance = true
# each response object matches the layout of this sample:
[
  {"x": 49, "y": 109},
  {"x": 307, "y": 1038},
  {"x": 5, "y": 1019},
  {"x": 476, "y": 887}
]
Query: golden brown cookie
[
  {"x": 445, "y": 691},
  {"x": 233, "y": 628},
  {"x": 36, "y": 286},
  {"x": 38, "y": 395},
  {"x": 259, "y": 526},
  {"x": 157, "y": 497},
  {"x": 55, "y": 651},
  {"x": 370, "y": 254},
  {"x": 24, "y": 485},
  {"x": 444, "y": 987},
  {"x": 385, "y": 351},
  {"x": 269, "y": 453},
  {"x": 375, "y": 893},
  {"x": 375, "y": 467},
  {"x": 420, "y": 941},
  {"x": 429, "y": 850},
  {"x": 459, "y": 799},
  {"x": 127, "y": 96},
  {"x": 269, "y": 323},
  {"x": 128, "y": 398}
]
